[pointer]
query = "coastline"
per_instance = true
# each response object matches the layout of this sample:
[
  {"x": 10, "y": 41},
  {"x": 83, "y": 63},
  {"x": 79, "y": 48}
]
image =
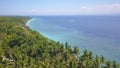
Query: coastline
[
  {"x": 83, "y": 39},
  {"x": 32, "y": 45}
]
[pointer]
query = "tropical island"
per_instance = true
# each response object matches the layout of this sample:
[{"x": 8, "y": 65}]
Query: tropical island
[{"x": 21, "y": 47}]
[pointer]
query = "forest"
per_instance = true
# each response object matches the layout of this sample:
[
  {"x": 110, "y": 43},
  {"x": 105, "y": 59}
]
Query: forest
[{"x": 22, "y": 47}]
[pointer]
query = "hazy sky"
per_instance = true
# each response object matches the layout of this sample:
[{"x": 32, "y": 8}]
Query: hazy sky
[{"x": 59, "y": 7}]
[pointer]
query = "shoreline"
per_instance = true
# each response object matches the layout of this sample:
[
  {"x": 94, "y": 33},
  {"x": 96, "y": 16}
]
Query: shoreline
[{"x": 100, "y": 52}]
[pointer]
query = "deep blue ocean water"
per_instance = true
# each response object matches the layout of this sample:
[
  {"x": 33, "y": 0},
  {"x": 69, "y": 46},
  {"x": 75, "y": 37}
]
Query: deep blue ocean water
[{"x": 99, "y": 34}]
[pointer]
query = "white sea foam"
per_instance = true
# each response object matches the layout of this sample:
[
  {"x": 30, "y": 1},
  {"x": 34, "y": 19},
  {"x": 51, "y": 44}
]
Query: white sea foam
[{"x": 29, "y": 21}]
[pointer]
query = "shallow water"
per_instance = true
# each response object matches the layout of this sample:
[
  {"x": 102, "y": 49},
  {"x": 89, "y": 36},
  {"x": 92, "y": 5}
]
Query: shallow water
[{"x": 99, "y": 34}]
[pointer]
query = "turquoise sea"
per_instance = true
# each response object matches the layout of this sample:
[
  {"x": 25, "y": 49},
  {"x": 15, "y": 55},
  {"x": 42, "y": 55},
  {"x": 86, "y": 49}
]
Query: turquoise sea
[{"x": 99, "y": 34}]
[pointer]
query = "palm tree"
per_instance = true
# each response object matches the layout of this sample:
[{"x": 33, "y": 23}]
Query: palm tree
[
  {"x": 108, "y": 63},
  {"x": 102, "y": 59},
  {"x": 97, "y": 61},
  {"x": 90, "y": 55},
  {"x": 66, "y": 45},
  {"x": 115, "y": 64},
  {"x": 76, "y": 50}
]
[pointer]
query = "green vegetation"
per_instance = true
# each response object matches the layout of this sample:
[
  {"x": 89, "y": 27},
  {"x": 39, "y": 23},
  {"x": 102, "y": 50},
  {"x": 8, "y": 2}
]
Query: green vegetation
[{"x": 21, "y": 47}]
